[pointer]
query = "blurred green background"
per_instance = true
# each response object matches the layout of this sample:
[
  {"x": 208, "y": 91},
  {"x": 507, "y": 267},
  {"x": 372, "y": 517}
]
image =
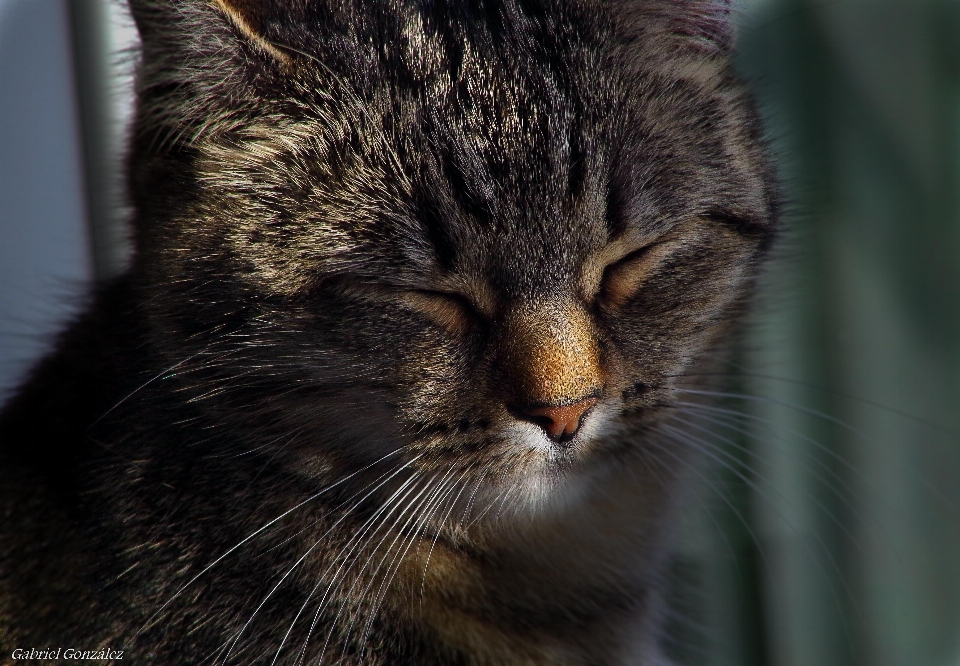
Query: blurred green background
[
  {"x": 831, "y": 536},
  {"x": 828, "y": 529}
]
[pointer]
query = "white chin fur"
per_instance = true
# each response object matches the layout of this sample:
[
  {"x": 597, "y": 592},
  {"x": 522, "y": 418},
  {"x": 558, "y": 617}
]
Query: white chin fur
[{"x": 553, "y": 477}]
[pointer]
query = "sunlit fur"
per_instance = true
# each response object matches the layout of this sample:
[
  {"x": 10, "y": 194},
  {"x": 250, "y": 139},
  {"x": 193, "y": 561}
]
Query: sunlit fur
[{"x": 374, "y": 240}]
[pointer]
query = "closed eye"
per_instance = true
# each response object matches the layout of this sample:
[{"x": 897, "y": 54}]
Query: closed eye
[
  {"x": 623, "y": 278},
  {"x": 451, "y": 311}
]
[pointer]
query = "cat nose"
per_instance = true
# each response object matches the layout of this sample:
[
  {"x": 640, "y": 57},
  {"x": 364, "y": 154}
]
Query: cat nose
[{"x": 560, "y": 422}]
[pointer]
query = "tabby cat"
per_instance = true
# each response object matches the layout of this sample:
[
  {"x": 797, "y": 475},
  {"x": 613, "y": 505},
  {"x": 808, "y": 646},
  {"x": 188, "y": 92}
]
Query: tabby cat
[{"x": 415, "y": 283}]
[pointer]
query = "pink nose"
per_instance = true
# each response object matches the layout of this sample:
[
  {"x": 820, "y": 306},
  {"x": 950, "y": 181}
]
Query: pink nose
[{"x": 560, "y": 423}]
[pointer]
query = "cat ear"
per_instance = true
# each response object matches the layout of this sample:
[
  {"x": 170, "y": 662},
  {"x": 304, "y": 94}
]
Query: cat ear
[
  {"x": 211, "y": 26},
  {"x": 251, "y": 19},
  {"x": 705, "y": 25},
  {"x": 206, "y": 63}
]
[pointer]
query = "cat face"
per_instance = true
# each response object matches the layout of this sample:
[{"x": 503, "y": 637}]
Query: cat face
[{"x": 491, "y": 240}]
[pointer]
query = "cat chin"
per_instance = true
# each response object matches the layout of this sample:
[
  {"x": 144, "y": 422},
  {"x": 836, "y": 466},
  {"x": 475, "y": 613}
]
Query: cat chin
[{"x": 550, "y": 479}]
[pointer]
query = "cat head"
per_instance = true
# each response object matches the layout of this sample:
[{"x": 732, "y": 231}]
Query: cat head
[{"x": 486, "y": 239}]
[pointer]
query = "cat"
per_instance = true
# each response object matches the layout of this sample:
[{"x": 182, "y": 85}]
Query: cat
[{"x": 414, "y": 285}]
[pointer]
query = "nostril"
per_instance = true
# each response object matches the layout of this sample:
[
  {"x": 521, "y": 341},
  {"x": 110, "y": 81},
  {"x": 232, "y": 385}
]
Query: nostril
[{"x": 560, "y": 422}]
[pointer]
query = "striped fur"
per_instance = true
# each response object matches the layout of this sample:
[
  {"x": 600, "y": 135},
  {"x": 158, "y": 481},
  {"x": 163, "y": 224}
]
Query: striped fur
[{"x": 371, "y": 239}]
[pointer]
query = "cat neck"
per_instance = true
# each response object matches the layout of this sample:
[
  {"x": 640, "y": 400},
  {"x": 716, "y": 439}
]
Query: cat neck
[{"x": 551, "y": 588}]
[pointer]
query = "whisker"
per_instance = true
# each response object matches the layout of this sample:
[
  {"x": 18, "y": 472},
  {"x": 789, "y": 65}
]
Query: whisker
[
  {"x": 180, "y": 591},
  {"x": 842, "y": 496},
  {"x": 658, "y": 475},
  {"x": 443, "y": 495},
  {"x": 466, "y": 510},
  {"x": 346, "y": 596},
  {"x": 493, "y": 502},
  {"x": 355, "y": 543},
  {"x": 310, "y": 550},
  {"x": 783, "y": 403},
  {"x": 143, "y": 386},
  {"x": 723, "y": 496},
  {"x": 705, "y": 447},
  {"x": 409, "y": 483},
  {"x": 775, "y": 428},
  {"x": 444, "y": 488},
  {"x": 742, "y": 371}
]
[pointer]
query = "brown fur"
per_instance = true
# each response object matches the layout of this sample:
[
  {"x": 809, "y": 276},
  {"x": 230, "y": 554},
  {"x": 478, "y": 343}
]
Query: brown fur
[{"x": 374, "y": 242}]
